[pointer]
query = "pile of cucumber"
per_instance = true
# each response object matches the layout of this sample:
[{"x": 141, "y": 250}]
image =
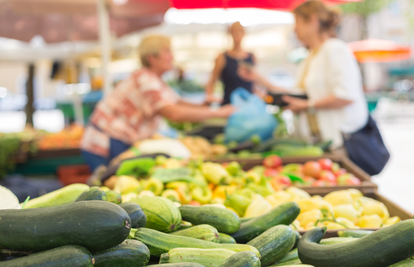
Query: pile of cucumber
[{"x": 153, "y": 231}]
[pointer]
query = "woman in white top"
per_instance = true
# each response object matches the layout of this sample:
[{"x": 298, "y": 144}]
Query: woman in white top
[{"x": 330, "y": 76}]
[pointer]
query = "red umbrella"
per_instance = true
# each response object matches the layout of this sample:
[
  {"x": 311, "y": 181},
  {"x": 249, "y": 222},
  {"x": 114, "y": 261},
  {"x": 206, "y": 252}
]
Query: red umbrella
[{"x": 373, "y": 50}]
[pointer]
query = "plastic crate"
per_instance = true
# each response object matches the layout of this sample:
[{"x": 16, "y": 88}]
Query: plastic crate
[{"x": 72, "y": 174}]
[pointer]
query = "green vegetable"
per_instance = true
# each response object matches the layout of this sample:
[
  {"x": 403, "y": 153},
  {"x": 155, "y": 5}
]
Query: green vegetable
[
  {"x": 181, "y": 264},
  {"x": 203, "y": 231},
  {"x": 10, "y": 146},
  {"x": 404, "y": 263},
  {"x": 224, "y": 220},
  {"x": 162, "y": 214},
  {"x": 135, "y": 212},
  {"x": 242, "y": 259},
  {"x": 336, "y": 240},
  {"x": 291, "y": 256},
  {"x": 131, "y": 253},
  {"x": 94, "y": 193},
  {"x": 297, "y": 238},
  {"x": 238, "y": 202},
  {"x": 283, "y": 214},
  {"x": 380, "y": 249},
  {"x": 274, "y": 243},
  {"x": 226, "y": 239},
  {"x": 114, "y": 197},
  {"x": 136, "y": 167},
  {"x": 233, "y": 168},
  {"x": 291, "y": 263},
  {"x": 62, "y": 196},
  {"x": 65, "y": 256},
  {"x": 207, "y": 257},
  {"x": 95, "y": 225},
  {"x": 173, "y": 175},
  {"x": 159, "y": 243},
  {"x": 354, "y": 233}
]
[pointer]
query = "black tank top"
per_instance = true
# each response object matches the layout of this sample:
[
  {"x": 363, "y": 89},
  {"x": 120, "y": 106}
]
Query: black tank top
[{"x": 231, "y": 79}]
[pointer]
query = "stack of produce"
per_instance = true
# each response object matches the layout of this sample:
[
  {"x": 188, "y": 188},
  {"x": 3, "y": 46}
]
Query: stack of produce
[
  {"x": 252, "y": 193},
  {"x": 78, "y": 226},
  {"x": 68, "y": 138}
]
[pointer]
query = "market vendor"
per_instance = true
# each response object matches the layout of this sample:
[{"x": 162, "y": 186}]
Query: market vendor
[
  {"x": 133, "y": 110},
  {"x": 227, "y": 67},
  {"x": 330, "y": 76}
]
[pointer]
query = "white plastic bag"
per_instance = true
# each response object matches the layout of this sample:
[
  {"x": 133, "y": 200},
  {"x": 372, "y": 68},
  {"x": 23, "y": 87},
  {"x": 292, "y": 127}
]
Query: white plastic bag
[
  {"x": 8, "y": 200},
  {"x": 171, "y": 147}
]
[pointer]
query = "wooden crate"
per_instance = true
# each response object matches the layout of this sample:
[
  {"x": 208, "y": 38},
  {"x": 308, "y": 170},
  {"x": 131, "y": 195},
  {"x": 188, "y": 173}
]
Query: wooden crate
[
  {"x": 393, "y": 209},
  {"x": 366, "y": 187}
]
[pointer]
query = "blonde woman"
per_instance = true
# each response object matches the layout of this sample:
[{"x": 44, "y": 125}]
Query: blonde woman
[{"x": 133, "y": 110}]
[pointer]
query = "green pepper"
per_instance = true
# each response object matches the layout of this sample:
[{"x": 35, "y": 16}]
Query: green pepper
[
  {"x": 238, "y": 202},
  {"x": 292, "y": 168},
  {"x": 136, "y": 167},
  {"x": 154, "y": 185},
  {"x": 263, "y": 190},
  {"x": 247, "y": 192},
  {"x": 201, "y": 194},
  {"x": 233, "y": 168}
]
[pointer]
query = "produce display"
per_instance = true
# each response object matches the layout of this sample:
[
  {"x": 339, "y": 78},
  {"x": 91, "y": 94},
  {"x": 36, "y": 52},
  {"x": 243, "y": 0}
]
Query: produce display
[
  {"x": 69, "y": 137},
  {"x": 90, "y": 230}
]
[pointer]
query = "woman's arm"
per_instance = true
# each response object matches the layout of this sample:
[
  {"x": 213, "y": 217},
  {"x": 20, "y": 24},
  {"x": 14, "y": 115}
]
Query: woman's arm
[
  {"x": 184, "y": 113},
  {"x": 330, "y": 102},
  {"x": 218, "y": 68}
]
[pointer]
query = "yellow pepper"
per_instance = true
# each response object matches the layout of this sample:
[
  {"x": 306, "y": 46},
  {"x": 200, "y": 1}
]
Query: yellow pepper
[
  {"x": 221, "y": 190},
  {"x": 308, "y": 204},
  {"x": 184, "y": 193},
  {"x": 346, "y": 211},
  {"x": 146, "y": 193},
  {"x": 128, "y": 197},
  {"x": 296, "y": 193},
  {"x": 339, "y": 198},
  {"x": 392, "y": 220},
  {"x": 333, "y": 225},
  {"x": 370, "y": 221},
  {"x": 201, "y": 194},
  {"x": 371, "y": 206},
  {"x": 126, "y": 184},
  {"x": 295, "y": 225},
  {"x": 172, "y": 195},
  {"x": 172, "y": 163},
  {"x": 346, "y": 222},
  {"x": 252, "y": 177},
  {"x": 174, "y": 185},
  {"x": 214, "y": 173},
  {"x": 257, "y": 207},
  {"x": 309, "y": 216},
  {"x": 278, "y": 198},
  {"x": 355, "y": 193},
  {"x": 217, "y": 200},
  {"x": 154, "y": 185}
]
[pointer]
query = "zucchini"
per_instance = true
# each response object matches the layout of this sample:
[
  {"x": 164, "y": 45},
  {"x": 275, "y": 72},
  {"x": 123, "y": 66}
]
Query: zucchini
[
  {"x": 203, "y": 231},
  {"x": 291, "y": 256},
  {"x": 354, "y": 233},
  {"x": 206, "y": 257},
  {"x": 226, "y": 239},
  {"x": 294, "y": 262},
  {"x": 159, "y": 243},
  {"x": 162, "y": 214},
  {"x": 274, "y": 243},
  {"x": 224, "y": 220},
  {"x": 297, "y": 238},
  {"x": 242, "y": 259},
  {"x": 130, "y": 253},
  {"x": 337, "y": 240},
  {"x": 66, "y": 256},
  {"x": 137, "y": 215},
  {"x": 283, "y": 214},
  {"x": 113, "y": 196},
  {"x": 405, "y": 263},
  {"x": 63, "y": 196},
  {"x": 386, "y": 246},
  {"x": 95, "y": 225},
  {"x": 182, "y": 264},
  {"x": 94, "y": 193}
]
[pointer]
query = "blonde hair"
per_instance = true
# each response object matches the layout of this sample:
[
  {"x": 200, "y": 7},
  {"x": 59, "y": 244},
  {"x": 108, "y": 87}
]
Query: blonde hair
[
  {"x": 236, "y": 25},
  {"x": 329, "y": 18},
  {"x": 152, "y": 45}
]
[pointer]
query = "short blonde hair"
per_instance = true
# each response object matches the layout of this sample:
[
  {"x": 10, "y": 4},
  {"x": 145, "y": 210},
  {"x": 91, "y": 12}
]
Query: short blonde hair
[{"x": 152, "y": 45}]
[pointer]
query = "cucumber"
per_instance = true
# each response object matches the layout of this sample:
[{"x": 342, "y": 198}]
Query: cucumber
[
  {"x": 242, "y": 259},
  {"x": 291, "y": 256},
  {"x": 94, "y": 193},
  {"x": 224, "y": 220},
  {"x": 113, "y": 196},
  {"x": 95, "y": 225},
  {"x": 137, "y": 215},
  {"x": 337, "y": 240},
  {"x": 130, "y": 253},
  {"x": 206, "y": 257},
  {"x": 274, "y": 243},
  {"x": 226, "y": 239},
  {"x": 182, "y": 264},
  {"x": 293, "y": 262},
  {"x": 203, "y": 231},
  {"x": 283, "y": 214},
  {"x": 386, "y": 246},
  {"x": 354, "y": 233},
  {"x": 159, "y": 243},
  {"x": 186, "y": 226},
  {"x": 405, "y": 263},
  {"x": 63, "y": 196},
  {"x": 244, "y": 219},
  {"x": 297, "y": 238},
  {"x": 162, "y": 214},
  {"x": 66, "y": 256}
]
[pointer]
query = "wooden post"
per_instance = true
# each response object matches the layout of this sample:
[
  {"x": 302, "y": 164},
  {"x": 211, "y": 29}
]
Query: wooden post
[{"x": 30, "y": 94}]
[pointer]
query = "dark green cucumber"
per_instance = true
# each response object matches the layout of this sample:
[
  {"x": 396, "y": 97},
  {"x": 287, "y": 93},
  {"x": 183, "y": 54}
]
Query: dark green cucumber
[
  {"x": 404, "y": 263},
  {"x": 181, "y": 264},
  {"x": 283, "y": 214},
  {"x": 113, "y": 196},
  {"x": 203, "y": 231},
  {"x": 274, "y": 243},
  {"x": 382, "y": 248},
  {"x": 297, "y": 238},
  {"x": 66, "y": 256},
  {"x": 292, "y": 255},
  {"x": 135, "y": 212},
  {"x": 159, "y": 243},
  {"x": 226, "y": 239},
  {"x": 295, "y": 262},
  {"x": 242, "y": 259},
  {"x": 354, "y": 233},
  {"x": 94, "y": 193},
  {"x": 224, "y": 220},
  {"x": 95, "y": 225},
  {"x": 131, "y": 253}
]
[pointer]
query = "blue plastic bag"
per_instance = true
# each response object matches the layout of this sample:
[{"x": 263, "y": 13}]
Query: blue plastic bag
[{"x": 250, "y": 118}]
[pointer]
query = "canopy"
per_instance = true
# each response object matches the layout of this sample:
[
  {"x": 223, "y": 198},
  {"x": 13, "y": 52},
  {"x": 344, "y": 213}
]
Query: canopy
[{"x": 373, "y": 50}]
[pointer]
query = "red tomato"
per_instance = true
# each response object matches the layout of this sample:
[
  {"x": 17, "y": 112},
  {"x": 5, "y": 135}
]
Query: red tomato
[
  {"x": 283, "y": 179},
  {"x": 319, "y": 183},
  {"x": 312, "y": 168},
  {"x": 340, "y": 172},
  {"x": 335, "y": 167},
  {"x": 270, "y": 172},
  {"x": 348, "y": 179},
  {"x": 272, "y": 161},
  {"x": 327, "y": 176},
  {"x": 326, "y": 164}
]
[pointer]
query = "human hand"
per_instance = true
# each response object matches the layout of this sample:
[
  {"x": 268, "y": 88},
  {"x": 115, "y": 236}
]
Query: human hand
[
  {"x": 211, "y": 98},
  {"x": 296, "y": 104},
  {"x": 225, "y": 111},
  {"x": 247, "y": 73}
]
